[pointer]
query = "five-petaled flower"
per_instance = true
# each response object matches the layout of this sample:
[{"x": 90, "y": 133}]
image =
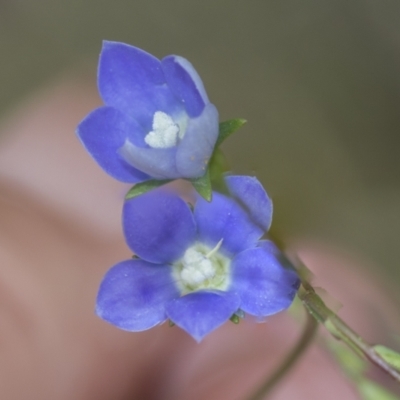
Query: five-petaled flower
[
  {"x": 157, "y": 121},
  {"x": 197, "y": 267}
]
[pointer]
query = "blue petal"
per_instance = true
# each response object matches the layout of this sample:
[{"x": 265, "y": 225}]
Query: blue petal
[
  {"x": 133, "y": 81},
  {"x": 158, "y": 163},
  {"x": 102, "y": 133},
  {"x": 269, "y": 246},
  {"x": 251, "y": 194},
  {"x": 133, "y": 295},
  {"x": 265, "y": 287},
  {"x": 223, "y": 218},
  {"x": 199, "y": 313},
  {"x": 196, "y": 147},
  {"x": 185, "y": 83},
  {"x": 158, "y": 226}
]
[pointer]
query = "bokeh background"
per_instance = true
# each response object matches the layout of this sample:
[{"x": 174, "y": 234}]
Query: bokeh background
[{"x": 318, "y": 82}]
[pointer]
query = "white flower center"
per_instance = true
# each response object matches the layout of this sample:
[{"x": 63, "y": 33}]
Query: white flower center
[
  {"x": 202, "y": 268},
  {"x": 196, "y": 268},
  {"x": 165, "y": 133}
]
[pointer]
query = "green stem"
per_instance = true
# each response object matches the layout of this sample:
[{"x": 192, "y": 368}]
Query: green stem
[
  {"x": 340, "y": 330},
  {"x": 319, "y": 312},
  {"x": 301, "y": 346}
]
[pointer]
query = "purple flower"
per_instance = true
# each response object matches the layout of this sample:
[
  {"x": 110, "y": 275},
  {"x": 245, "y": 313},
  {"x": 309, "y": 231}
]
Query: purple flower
[
  {"x": 157, "y": 121},
  {"x": 196, "y": 268}
]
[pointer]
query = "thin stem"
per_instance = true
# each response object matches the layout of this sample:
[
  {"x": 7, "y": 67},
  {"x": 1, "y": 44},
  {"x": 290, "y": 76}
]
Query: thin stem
[
  {"x": 340, "y": 330},
  {"x": 301, "y": 346},
  {"x": 319, "y": 312}
]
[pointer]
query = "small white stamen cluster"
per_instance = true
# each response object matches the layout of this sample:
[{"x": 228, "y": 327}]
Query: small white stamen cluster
[
  {"x": 165, "y": 132},
  {"x": 202, "y": 268},
  {"x": 197, "y": 268}
]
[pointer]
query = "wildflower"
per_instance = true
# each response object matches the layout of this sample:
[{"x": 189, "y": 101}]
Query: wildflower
[
  {"x": 196, "y": 268},
  {"x": 157, "y": 121}
]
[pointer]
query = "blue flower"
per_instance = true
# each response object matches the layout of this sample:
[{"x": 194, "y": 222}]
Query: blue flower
[
  {"x": 196, "y": 268},
  {"x": 157, "y": 121}
]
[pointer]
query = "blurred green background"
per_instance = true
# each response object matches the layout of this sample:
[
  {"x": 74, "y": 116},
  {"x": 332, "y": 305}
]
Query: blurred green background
[{"x": 318, "y": 81}]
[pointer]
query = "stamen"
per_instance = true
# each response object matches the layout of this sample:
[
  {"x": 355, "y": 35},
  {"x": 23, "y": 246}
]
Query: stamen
[
  {"x": 196, "y": 267},
  {"x": 202, "y": 268},
  {"x": 165, "y": 133}
]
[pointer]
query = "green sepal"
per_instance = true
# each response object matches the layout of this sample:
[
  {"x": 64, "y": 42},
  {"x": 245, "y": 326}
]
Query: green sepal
[
  {"x": 237, "y": 316},
  {"x": 226, "y": 129},
  {"x": 389, "y": 355},
  {"x": 218, "y": 166},
  {"x": 171, "y": 323},
  {"x": 144, "y": 187},
  {"x": 213, "y": 177},
  {"x": 203, "y": 185}
]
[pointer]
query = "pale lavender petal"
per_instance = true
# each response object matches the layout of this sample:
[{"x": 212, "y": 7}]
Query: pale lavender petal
[
  {"x": 199, "y": 313},
  {"x": 133, "y": 81},
  {"x": 158, "y": 163},
  {"x": 196, "y": 147},
  {"x": 158, "y": 226},
  {"x": 186, "y": 84},
  {"x": 265, "y": 287},
  {"x": 251, "y": 194},
  {"x": 102, "y": 133},
  {"x": 223, "y": 218},
  {"x": 133, "y": 295}
]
